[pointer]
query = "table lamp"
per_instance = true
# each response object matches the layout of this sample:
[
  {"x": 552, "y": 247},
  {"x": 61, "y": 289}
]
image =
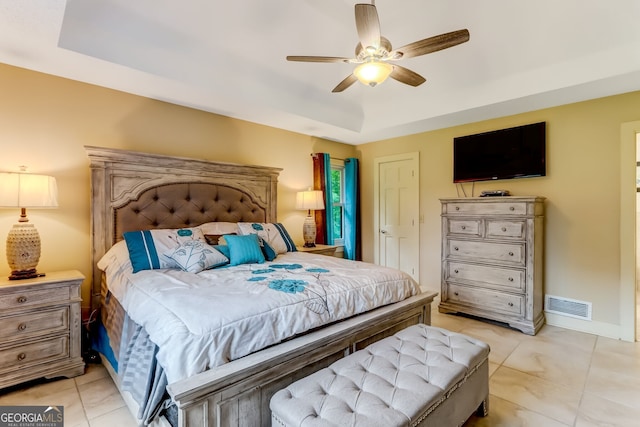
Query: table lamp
[
  {"x": 24, "y": 190},
  {"x": 309, "y": 200}
]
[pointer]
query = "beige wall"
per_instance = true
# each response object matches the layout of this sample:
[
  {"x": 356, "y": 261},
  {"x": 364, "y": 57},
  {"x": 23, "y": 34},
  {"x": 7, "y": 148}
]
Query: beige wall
[
  {"x": 45, "y": 122},
  {"x": 582, "y": 188}
]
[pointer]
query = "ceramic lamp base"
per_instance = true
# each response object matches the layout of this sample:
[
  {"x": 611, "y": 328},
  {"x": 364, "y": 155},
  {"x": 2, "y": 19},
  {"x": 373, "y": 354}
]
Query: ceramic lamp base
[
  {"x": 309, "y": 232},
  {"x": 23, "y": 251}
]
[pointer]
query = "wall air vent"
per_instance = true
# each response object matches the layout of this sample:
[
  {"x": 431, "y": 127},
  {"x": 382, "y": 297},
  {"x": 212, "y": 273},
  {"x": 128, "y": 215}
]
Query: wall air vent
[{"x": 567, "y": 307}]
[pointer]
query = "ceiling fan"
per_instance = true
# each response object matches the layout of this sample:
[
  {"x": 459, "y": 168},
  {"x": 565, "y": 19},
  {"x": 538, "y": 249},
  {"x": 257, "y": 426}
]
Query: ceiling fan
[{"x": 374, "y": 52}]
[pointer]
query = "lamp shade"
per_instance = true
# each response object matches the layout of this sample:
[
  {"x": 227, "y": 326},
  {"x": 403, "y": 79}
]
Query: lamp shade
[
  {"x": 309, "y": 200},
  {"x": 24, "y": 190},
  {"x": 373, "y": 73}
]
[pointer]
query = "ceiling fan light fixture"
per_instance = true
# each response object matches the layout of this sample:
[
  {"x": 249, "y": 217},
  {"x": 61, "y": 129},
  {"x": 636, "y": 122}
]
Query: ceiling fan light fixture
[{"x": 372, "y": 73}]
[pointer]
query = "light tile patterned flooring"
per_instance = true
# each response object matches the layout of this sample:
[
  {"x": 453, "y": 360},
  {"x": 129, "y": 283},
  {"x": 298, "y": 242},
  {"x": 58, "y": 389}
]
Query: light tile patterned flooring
[{"x": 556, "y": 378}]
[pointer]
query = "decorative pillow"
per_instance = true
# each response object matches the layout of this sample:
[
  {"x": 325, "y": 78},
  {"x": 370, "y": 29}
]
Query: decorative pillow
[
  {"x": 116, "y": 257},
  {"x": 269, "y": 253},
  {"x": 150, "y": 249},
  {"x": 273, "y": 233},
  {"x": 224, "y": 250},
  {"x": 215, "y": 239},
  {"x": 194, "y": 256},
  {"x": 244, "y": 249},
  {"x": 219, "y": 228}
]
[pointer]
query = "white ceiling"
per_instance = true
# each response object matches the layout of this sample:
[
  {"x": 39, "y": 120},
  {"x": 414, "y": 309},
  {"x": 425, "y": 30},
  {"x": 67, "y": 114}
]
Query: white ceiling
[{"x": 228, "y": 57}]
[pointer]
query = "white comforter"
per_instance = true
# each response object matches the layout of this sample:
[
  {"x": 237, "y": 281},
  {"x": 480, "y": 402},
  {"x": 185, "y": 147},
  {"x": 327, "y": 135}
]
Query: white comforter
[{"x": 204, "y": 320}]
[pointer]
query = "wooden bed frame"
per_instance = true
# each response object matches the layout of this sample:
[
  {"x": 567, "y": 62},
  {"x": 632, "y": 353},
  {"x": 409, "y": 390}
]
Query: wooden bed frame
[{"x": 237, "y": 393}]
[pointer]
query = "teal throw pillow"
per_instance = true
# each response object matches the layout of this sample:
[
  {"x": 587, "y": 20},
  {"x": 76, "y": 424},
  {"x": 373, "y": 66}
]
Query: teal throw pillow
[{"x": 244, "y": 249}]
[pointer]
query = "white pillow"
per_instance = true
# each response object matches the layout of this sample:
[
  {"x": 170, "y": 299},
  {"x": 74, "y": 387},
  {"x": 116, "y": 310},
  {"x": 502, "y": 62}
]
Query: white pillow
[
  {"x": 273, "y": 233},
  {"x": 150, "y": 249},
  {"x": 219, "y": 227}
]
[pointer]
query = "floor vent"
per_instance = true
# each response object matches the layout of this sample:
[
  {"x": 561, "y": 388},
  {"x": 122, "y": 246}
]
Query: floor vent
[{"x": 568, "y": 307}]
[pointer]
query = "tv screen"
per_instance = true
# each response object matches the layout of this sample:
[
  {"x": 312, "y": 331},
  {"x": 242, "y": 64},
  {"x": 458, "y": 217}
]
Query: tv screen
[{"x": 517, "y": 152}]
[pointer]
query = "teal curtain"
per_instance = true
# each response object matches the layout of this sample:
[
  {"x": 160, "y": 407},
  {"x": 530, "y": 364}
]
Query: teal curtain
[
  {"x": 328, "y": 204},
  {"x": 351, "y": 211}
]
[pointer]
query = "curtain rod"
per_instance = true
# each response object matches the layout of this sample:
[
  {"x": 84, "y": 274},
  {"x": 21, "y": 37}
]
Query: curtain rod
[{"x": 331, "y": 157}]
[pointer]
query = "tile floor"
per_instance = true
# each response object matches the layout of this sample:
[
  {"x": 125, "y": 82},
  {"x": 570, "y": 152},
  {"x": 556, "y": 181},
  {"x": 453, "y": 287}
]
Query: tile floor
[
  {"x": 556, "y": 378},
  {"x": 90, "y": 400}
]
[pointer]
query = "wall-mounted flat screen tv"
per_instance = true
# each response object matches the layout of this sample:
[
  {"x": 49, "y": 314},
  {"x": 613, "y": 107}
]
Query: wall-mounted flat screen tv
[{"x": 517, "y": 152}]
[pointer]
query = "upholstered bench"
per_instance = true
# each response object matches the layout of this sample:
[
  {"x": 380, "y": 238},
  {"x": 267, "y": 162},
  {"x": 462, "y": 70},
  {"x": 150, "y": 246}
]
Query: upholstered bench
[{"x": 421, "y": 376}]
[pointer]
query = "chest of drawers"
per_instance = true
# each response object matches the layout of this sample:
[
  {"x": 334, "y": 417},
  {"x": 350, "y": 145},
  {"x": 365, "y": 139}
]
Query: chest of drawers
[
  {"x": 492, "y": 259},
  {"x": 40, "y": 328}
]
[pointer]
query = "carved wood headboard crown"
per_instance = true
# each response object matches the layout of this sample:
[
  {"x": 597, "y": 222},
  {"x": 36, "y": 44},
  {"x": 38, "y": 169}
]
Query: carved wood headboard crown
[{"x": 133, "y": 191}]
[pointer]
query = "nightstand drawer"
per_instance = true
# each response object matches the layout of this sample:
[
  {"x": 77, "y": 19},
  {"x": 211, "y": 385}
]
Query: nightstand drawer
[
  {"x": 42, "y": 322},
  {"x": 33, "y": 353},
  {"x": 319, "y": 249},
  {"x": 31, "y": 297},
  {"x": 486, "y": 299}
]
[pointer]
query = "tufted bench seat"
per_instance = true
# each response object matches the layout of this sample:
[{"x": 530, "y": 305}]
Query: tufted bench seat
[{"x": 421, "y": 376}]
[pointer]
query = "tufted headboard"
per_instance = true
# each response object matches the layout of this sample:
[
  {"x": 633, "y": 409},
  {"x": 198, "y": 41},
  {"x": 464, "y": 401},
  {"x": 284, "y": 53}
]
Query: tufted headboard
[{"x": 140, "y": 191}]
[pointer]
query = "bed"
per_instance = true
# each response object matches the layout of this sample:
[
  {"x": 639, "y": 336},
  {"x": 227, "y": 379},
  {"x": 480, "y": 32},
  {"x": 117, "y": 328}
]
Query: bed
[{"x": 133, "y": 191}]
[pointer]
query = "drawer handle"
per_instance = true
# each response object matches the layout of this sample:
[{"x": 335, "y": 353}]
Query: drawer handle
[
  {"x": 504, "y": 229},
  {"x": 457, "y": 208},
  {"x": 511, "y": 208},
  {"x": 22, "y": 326},
  {"x": 22, "y": 356},
  {"x": 510, "y": 304},
  {"x": 456, "y": 294},
  {"x": 510, "y": 279},
  {"x": 21, "y": 300},
  {"x": 455, "y": 248},
  {"x": 455, "y": 271},
  {"x": 510, "y": 253},
  {"x": 464, "y": 227}
]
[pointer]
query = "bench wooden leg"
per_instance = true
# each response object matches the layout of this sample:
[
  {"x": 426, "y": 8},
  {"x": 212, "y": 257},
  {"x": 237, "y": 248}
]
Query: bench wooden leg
[{"x": 483, "y": 409}]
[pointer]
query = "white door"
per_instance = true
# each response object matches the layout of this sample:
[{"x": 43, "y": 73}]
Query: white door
[{"x": 397, "y": 209}]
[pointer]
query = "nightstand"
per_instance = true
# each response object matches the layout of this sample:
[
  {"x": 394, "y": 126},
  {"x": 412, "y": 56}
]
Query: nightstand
[
  {"x": 40, "y": 328},
  {"x": 329, "y": 250}
]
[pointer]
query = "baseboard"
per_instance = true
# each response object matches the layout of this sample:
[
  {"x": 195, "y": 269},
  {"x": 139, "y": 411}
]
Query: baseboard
[{"x": 603, "y": 329}]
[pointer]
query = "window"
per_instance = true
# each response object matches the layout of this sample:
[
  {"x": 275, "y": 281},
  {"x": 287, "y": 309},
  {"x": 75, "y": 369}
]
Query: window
[{"x": 337, "y": 201}]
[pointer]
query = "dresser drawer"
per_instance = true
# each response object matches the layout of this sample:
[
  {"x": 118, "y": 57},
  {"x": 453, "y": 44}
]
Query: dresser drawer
[
  {"x": 488, "y": 208},
  {"x": 486, "y": 276},
  {"x": 486, "y": 299},
  {"x": 30, "y": 324},
  {"x": 507, "y": 253},
  {"x": 506, "y": 229},
  {"x": 465, "y": 227},
  {"x": 34, "y": 353},
  {"x": 31, "y": 297}
]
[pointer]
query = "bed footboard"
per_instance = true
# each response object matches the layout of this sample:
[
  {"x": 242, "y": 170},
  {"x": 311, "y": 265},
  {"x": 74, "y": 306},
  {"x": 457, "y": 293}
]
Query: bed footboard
[{"x": 238, "y": 393}]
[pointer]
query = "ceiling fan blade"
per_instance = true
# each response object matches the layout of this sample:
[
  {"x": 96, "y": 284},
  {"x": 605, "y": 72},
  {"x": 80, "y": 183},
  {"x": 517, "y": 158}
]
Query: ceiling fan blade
[
  {"x": 317, "y": 59},
  {"x": 406, "y": 76},
  {"x": 368, "y": 25},
  {"x": 351, "y": 79},
  {"x": 433, "y": 44}
]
